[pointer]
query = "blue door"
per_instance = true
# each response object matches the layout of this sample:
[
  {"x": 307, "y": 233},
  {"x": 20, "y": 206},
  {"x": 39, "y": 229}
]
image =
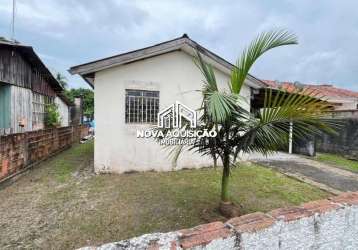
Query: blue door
[{"x": 5, "y": 111}]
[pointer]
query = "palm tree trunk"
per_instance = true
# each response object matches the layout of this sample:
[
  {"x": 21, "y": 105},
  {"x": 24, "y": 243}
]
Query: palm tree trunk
[
  {"x": 214, "y": 155},
  {"x": 215, "y": 161},
  {"x": 225, "y": 180}
]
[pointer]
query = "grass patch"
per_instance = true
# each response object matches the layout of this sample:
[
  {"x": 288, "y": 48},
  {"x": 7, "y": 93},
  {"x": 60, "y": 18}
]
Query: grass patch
[
  {"x": 67, "y": 164},
  {"x": 338, "y": 161},
  {"x": 135, "y": 204},
  {"x": 63, "y": 205}
]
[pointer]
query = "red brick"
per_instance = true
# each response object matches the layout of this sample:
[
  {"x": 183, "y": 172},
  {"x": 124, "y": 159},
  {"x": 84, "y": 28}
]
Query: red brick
[
  {"x": 203, "y": 234},
  {"x": 39, "y": 145},
  {"x": 251, "y": 222},
  {"x": 5, "y": 167},
  {"x": 320, "y": 206},
  {"x": 202, "y": 228},
  {"x": 350, "y": 198},
  {"x": 173, "y": 245},
  {"x": 291, "y": 213},
  {"x": 153, "y": 246}
]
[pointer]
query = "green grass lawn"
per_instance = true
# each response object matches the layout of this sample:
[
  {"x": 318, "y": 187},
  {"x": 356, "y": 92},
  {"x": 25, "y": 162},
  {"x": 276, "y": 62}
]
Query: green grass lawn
[
  {"x": 338, "y": 161},
  {"x": 61, "y": 204}
]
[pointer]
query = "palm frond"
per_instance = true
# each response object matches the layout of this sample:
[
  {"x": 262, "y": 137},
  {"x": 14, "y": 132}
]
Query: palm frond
[
  {"x": 240, "y": 131},
  {"x": 218, "y": 104},
  {"x": 270, "y": 130},
  {"x": 207, "y": 71},
  {"x": 263, "y": 43}
]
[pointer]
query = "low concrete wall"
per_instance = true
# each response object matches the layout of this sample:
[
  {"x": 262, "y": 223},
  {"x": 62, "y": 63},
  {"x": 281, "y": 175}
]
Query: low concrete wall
[
  {"x": 18, "y": 151},
  {"x": 305, "y": 146},
  {"x": 323, "y": 224},
  {"x": 352, "y": 113},
  {"x": 345, "y": 143}
]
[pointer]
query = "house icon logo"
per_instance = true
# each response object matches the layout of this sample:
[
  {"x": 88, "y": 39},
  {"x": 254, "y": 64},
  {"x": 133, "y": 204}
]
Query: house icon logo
[{"x": 173, "y": 116}]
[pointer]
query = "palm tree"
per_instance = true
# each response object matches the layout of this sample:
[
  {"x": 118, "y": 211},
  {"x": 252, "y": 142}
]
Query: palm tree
[
  {"x": 240, "y": 131},
  {"x": 62, "y": 80}
]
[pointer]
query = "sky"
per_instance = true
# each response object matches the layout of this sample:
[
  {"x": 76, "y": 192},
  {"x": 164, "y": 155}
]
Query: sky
[{"x": 65, "y": 33}]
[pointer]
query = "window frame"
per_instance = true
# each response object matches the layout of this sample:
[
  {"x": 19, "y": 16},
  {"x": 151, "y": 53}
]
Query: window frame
[
  {"x": 146, "y": 104},
  {"x": 39, "y": 103}
]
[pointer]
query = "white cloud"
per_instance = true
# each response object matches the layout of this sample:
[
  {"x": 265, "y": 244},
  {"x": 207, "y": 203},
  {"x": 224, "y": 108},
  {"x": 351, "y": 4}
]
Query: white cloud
[{"x": 75, "y": 31}]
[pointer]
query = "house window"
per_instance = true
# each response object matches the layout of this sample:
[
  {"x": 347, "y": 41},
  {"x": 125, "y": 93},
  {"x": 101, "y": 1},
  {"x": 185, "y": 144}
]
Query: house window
[
  {"x": 142, "y": 106},
  {"x": 39, "y": 103}
]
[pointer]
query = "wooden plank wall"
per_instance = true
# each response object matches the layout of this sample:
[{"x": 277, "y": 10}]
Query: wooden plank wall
[
  {"x": 21, "y": 109},
  {"x": 41, "y": 86},
  {"x": 15, "y": 69},
  {"x": 23, "y": 80}
]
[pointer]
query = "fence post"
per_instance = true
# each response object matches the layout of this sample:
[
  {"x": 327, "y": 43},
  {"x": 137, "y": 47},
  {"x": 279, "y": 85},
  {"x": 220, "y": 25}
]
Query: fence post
[
  {"x": 290, "y": 138},
  {"x": 72, "y": 132},
  {"x": 26, "y": 149}
]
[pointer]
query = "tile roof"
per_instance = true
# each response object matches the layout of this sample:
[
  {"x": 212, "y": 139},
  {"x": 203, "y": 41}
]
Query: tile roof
[
  {"x": 321, "y": 89},
  {"x": 87, "y": 70}
]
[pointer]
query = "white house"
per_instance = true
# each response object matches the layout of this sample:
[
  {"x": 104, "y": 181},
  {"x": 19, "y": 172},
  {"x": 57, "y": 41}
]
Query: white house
[{"x": 130, "y": 90}]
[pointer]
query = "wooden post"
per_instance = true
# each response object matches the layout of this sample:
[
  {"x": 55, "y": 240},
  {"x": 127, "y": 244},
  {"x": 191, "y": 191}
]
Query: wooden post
[
  {"x": 290, "y": 137},
  {"x": 26, "y": 149}
]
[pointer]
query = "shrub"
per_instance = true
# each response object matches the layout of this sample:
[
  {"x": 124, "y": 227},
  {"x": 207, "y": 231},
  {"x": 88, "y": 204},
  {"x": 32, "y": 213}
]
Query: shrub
[{"x": 52, "y": 117}]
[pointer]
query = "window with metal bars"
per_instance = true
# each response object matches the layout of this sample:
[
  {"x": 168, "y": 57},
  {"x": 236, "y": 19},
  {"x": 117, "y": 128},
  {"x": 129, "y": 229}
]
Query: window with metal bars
[{"x": 142, "y": 106}]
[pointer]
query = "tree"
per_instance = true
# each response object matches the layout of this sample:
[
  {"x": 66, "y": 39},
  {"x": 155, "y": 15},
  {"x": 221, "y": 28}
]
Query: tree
[
  {"x": 240, "y": 131},
  {"x": 88, "y": 99},
  {"x": 62, "y": 80}
]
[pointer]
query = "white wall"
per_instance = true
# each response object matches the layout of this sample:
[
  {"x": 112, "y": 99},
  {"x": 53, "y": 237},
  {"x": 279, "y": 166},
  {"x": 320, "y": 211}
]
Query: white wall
[
  {"x": 64, "y": 111},
  {"x": 347, "y": 103},
  {"x": 177, "y": 78}
]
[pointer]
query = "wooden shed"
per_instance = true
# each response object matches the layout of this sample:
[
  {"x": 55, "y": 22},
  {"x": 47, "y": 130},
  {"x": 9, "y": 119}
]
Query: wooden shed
[{"x": 26, "y": 86}]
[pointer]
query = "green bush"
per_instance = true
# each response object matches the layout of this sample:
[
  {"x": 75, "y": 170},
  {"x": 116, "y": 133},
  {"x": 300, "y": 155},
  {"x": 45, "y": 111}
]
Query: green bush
[{"x": 52, "y": 117}]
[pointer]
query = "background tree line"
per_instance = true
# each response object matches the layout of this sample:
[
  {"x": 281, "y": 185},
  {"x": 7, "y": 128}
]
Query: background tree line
[{"x": 86, "y": 94}]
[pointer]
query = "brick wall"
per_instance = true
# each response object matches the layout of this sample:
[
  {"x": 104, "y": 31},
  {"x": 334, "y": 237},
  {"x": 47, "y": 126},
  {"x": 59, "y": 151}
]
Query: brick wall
[
  {"x": 323, "y": 224},
  {"x": 17, "y": 151}
]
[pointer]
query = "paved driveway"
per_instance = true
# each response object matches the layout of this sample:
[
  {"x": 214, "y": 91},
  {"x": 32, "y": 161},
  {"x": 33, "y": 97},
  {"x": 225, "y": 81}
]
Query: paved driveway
[{"x": 317, "y": 173}]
